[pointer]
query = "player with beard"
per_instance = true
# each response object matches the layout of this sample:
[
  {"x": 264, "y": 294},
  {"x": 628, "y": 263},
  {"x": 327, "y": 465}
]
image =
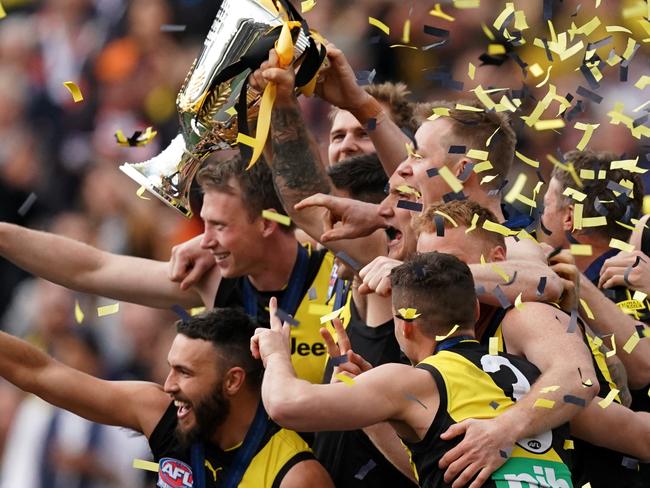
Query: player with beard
[{"x": 214, "y": 430}]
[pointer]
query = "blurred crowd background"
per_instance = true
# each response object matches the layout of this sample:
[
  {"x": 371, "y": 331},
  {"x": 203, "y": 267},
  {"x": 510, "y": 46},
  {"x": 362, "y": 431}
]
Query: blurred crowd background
[{"x": 129, "y": 71}]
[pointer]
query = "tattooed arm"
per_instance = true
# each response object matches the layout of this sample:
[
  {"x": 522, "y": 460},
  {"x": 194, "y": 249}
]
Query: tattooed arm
[{"x": 297, "y": 169}]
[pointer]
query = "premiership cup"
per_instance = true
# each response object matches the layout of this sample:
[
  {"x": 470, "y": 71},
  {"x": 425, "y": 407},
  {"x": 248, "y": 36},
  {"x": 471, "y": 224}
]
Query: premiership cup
[{"x": 215, "y": 104}]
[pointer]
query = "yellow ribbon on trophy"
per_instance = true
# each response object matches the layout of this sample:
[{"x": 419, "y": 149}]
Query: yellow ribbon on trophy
[{"x": 284, "y": 49}]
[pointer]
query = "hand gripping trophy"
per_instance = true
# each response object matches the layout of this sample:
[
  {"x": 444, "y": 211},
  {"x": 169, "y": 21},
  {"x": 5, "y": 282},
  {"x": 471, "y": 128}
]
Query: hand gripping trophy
[{"x": 215, "y": 105}]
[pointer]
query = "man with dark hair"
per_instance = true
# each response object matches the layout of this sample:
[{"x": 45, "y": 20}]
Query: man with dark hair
[
  {"x": 214, "y": 432},
  {"x": 255, "y": 258},
  {"x": 456, "y": 378},
  {"x": 361, "y": 177}
]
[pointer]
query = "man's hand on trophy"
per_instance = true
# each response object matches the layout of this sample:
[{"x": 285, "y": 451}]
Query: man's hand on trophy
[
  {"x": 337, "y": 84},
  {"x": 189, "y": 263},
  {"x": 271, "y": 71}
]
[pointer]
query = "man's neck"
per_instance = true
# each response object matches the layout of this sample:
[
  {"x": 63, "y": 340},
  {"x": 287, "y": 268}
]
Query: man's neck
[
  {"x": 275, "y": 270},
  {"x": 240, "y": 417},
  {"x": 493, "y": 204}
]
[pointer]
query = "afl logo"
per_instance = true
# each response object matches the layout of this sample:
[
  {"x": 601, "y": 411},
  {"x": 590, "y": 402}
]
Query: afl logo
[
  {"x": 538, "y": 444},
  {"x": 174, "y": 474}
]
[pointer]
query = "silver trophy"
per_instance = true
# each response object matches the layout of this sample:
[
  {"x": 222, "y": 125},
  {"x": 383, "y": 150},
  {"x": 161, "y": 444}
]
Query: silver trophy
[{"x": 239, "y": 40}]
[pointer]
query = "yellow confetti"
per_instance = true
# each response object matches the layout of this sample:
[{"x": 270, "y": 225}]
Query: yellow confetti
[
  {"x": 246, "y": 139},
  {"x": 379, "y": 24},
  {"x": 140, "y": 193},
  {"x": 468, "y": 108},
  {"x": 544, "y": 403},
  {"x": 231, "y": 111},
  {"x": 471, "y": 71},
  {"x": 594, "y": 221},
  {"x": 515, "y": 192},
  {"x": 489, "y": 139},
  {"x": 617, "y": 28},
  {"x": 406, "y": 33},
  {"x": 612, "y": 351},
  {"x": 642, "y": 82},
  {"x": 520, "y": 20},
  {"x": 74, "y": 90},
  {"x": 196, "y": 310},
  {"x": 568, "y": 444},
  {"x": 476, "y": 154},
  {"x": 473, "y": 224},
  {"x": 330, "y": 316},
  {"x": 639, "y": 296},
  {"x": 628, "y": 165},
  {"x": 575, "y": 194},
  {"x": 581, "y": 249},
  {"x": 501, "y": 273},
  {"x": 518, "y": 303},
  {"x": 536, "y": 70},
  {"x": 498, "y": 228},
  {"x": 408, "y": 313},
  {"x": 503, "y": 16},
  {"x": 549, "y": 389},
  {"x": 605, "y": 402},
  {"x": 577, "y": 216},
  {"x": 527, "y": 160},
  {"x": 483, "y": 166},
  {"x": 344, "y": 379},
  {"x": 409, "y": 190},
  {"x": 621, "y": 245},
  {"x": 461, "y": 4},
  {"x": 587, "y": 174},
  {"x": 444, "y": 215},
  {"x": 546, "y": 78},
  {"x": 437, "y": 12},
  {"x": 403, "y": 45},
  {"x": 78, "y": 313},
  {"x": 496, "y": 49},
  {"x": 493, "y": 346},
  {"x": 108, "y": 310},
  {"x": 589, "y": 130},
  {"x": 307, "y": 5},
  {"x": 549, "y": 124},
  {"x": 145, "y": 465},
  {"x": 3, "y": 14},
  {"x": 453, "y": 182},
  {"x": 453, "y": 330},
  {"x": 276, "y": 217},
  {"x": 631, "y": 343}
]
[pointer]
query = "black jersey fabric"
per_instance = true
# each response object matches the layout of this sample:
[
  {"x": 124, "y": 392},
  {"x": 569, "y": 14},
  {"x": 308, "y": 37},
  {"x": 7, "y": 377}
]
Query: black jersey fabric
[{"x": 350, "y": 457}]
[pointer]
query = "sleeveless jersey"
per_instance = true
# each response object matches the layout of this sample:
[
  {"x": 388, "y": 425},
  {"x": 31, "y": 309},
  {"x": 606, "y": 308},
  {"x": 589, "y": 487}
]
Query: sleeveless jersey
[
  {"x": 278, "y": 452},
  {"x": 475, "y": 384},
  {"x": 308, "y": 351}
]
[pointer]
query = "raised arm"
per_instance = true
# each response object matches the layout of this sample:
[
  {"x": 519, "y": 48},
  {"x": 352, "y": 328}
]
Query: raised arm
[
  {"x": 134, "y": 405},
  {"x": 297, "y": 171},
  {"x": 340, "y": 88},
  {"x": 84, "y": 268}
]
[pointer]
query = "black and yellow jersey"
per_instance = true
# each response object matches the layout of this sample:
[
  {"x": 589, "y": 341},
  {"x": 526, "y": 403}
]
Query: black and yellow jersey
[
  {"x": 475, "y": 384},
  {"x": 279, "y": 450},
  {"x": 308, "y": 351}
]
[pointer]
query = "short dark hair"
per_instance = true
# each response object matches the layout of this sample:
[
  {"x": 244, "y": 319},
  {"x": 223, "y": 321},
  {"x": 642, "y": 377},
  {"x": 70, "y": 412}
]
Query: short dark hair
[
  {"x": 230, "y": 331},
  {"x": 618, "y": 208},
  {"x": 473, "y": 128},
  {"x": 462, "y": 212},
  {"x": 440, "y": 287},
  {"x": 362, "y": 176},
  {"x": 256, "y": 184}
]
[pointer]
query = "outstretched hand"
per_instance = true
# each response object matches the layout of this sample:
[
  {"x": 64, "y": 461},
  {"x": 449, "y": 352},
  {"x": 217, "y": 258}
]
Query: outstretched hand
[
  {"x": 275, "y": 340},
  {"x": 337, "y": 83},
  {"x": 354, "y": 218},
  {"x": 355, "y": 364}
]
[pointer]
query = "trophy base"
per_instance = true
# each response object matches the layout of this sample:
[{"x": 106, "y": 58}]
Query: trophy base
[{"x": 154, "y": 183}]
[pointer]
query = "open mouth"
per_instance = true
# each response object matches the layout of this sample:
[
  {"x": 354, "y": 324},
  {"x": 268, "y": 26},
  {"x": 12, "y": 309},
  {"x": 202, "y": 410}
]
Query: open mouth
[
  {"x": 220, "y": 256},
  {"x": 183, "y": 409},
  {"x": 394, "y": 235}
]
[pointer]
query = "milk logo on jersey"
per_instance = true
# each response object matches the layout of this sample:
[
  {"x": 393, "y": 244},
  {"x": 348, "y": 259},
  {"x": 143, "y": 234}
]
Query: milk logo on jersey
[{"x": 173, "y": 473}]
